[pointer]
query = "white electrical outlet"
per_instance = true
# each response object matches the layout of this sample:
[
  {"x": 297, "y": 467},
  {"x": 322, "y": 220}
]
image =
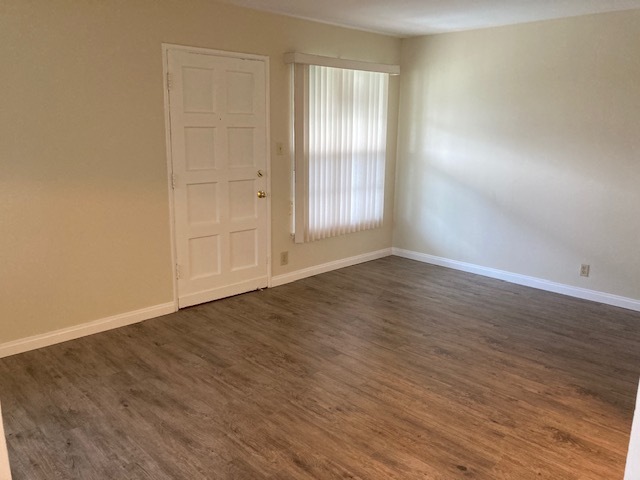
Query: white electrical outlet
[{"x": 584, "y": 270}]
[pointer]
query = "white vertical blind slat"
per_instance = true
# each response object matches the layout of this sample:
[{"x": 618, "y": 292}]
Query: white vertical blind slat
[{"x": 346, "y": 151}]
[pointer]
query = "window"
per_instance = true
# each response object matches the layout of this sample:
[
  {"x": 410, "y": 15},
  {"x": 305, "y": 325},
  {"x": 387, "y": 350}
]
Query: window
[{"x": 340, "y": 150}]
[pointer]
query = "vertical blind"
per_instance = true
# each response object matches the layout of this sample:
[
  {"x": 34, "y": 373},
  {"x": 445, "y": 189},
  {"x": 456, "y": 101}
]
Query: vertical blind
[{"x": 344, "y": 151}]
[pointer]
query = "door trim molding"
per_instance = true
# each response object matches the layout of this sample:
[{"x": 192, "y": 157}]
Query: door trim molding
[
  {"x": 167, "y": 130},
  {"x": 167, "y": 134}
]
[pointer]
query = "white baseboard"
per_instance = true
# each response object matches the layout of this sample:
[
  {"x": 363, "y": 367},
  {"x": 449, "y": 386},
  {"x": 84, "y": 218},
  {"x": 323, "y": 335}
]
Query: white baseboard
[
  {"x": 541, "y": 284},
  {"x": 58, "y": 336},
  {"x": 71, "y": 333},
  {"x": 327, "y": 267},
  {"x": 116, "y": 321}
]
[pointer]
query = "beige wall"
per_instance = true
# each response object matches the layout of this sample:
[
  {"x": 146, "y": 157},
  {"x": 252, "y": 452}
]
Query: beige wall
[
  {"x": 83, "y": 185},
  {"x": 519, "y": 149}
]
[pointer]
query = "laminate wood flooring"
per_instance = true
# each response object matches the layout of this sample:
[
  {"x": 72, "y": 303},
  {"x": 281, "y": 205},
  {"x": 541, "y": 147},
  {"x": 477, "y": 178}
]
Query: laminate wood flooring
[{"x": 391, "y": 369}]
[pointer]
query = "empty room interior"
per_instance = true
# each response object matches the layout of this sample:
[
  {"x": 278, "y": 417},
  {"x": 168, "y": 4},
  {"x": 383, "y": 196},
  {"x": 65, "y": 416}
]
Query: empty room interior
[{"x": 264, "y": 239}]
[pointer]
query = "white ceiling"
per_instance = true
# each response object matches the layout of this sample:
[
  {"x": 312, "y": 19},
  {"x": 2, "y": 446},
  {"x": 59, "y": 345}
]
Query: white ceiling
[{"x": 420, "y": 17}]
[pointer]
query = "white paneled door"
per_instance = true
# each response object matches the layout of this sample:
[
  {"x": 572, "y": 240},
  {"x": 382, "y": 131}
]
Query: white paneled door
[{"x": 218, "y": 134}]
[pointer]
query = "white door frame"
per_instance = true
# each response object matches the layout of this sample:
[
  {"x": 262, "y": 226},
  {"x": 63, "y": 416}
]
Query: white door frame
[
  {"x": 632, "y": 470},
  {"x": 167, "y": 127}
]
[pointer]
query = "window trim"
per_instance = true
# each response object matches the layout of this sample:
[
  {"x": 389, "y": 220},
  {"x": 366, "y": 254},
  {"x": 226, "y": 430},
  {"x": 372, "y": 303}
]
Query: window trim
[
  {"x": 307, "y": 59},
  {"x": 300, "y": 76},
  {"x": 301, "y": 139}
]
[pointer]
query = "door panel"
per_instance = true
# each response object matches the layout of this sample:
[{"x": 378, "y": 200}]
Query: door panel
[{"x": 218, "y": 147}]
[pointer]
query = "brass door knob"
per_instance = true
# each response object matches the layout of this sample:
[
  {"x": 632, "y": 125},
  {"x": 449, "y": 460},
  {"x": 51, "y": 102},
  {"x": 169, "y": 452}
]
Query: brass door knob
[{"x": 261, "y": 194}]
